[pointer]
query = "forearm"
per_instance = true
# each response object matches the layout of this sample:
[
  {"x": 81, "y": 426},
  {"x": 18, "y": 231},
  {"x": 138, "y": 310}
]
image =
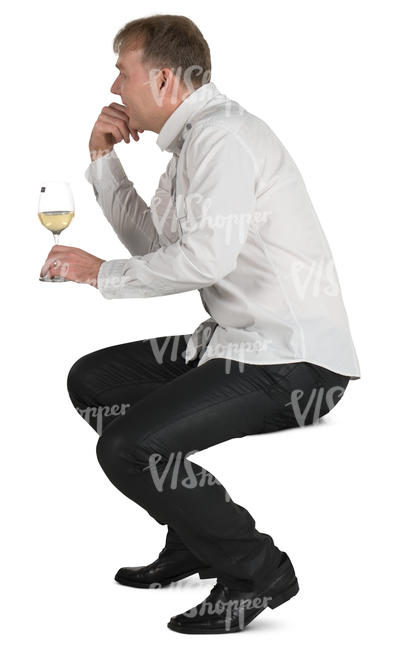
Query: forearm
[{"x": 124, "y": 209}]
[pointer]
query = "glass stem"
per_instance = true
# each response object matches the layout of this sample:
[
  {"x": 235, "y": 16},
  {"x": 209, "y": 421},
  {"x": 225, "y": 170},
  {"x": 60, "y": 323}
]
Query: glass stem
[{"x": 56, "y": 236}]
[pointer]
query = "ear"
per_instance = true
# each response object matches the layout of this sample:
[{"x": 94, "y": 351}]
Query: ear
[{"x": 165, "y": 77}]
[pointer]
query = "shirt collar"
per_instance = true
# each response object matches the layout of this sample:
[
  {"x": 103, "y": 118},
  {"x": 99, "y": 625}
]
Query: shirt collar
[{"x": 172, "y": 133}]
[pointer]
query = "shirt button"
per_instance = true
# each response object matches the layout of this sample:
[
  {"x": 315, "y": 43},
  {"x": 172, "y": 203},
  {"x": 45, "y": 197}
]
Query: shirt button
[{"x": 188, "y": 125}]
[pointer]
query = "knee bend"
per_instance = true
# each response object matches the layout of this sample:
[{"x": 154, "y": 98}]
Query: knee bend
[
  {"x": 80, "y": 380},
  {"x": 113, "y": 452}
]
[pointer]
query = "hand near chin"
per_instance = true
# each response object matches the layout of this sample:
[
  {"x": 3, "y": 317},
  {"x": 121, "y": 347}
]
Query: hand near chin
[{"x": 111, "y": 127}]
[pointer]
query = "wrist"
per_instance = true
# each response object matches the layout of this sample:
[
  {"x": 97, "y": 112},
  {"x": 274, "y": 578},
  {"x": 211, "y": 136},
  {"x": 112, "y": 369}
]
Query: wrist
[
  {"x": 95, "y": 154},
  {"x": 94, "y": 281}
]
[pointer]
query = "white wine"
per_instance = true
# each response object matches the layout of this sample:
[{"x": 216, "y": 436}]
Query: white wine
[{"x": 57, "y": 220}]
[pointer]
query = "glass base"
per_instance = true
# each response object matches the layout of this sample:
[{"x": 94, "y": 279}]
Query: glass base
[{"x": 56, "y": 278}]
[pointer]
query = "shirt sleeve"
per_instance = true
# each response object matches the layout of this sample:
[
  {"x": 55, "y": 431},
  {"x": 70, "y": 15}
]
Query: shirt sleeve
[
  {"x": 216, "y": 210},
  {"x": 124, "y": 209}
]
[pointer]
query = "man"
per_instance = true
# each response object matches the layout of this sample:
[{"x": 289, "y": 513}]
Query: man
[{"x": 232, "y": 218}]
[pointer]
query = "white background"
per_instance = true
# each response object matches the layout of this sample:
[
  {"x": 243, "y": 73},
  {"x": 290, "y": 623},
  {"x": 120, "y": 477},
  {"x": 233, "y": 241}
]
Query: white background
[{"x": 324, "y": 77}]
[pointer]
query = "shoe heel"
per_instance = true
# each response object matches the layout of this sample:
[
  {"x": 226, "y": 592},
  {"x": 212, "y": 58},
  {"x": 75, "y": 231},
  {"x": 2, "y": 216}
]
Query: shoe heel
[
  {"x": 285, "y": 595},
  {"x": 207, "y": 573}
]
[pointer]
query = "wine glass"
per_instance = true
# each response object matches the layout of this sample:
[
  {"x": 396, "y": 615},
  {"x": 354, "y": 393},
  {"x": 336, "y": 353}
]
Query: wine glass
[{"x": 56, "y": 211}]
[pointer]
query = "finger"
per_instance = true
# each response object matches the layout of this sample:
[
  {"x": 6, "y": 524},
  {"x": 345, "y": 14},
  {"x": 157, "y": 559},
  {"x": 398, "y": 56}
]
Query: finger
[
  {"x": 55, "y": 255},
  {"x": 62, "y": 269},
  {"x": 60, "y": 248},
  {"x": 120, "y": 107},
  {"x": 122, "y": 111},
  {"x": 56, "y": 250},
  {"x": 120, "y": 115},
  {"x": 125, "y": 110},
  {"x": 57, "y": 271},
  {"x": 119, "y": 124},
  {"x": 46, "y": 266},
  {"x": 117, "y": 116},
  {"x": 134, "y": 132},
  {"x": 53, "y": 271},
  {"x": 108, "y": 127},
  {"x": 113, "y": 113}
]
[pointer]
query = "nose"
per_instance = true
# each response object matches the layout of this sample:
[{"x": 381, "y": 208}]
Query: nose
[{"x": 115, "y": 87}]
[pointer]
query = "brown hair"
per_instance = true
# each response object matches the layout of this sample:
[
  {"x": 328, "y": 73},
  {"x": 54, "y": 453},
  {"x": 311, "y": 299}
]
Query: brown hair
[{"x": 168, "y": 41}]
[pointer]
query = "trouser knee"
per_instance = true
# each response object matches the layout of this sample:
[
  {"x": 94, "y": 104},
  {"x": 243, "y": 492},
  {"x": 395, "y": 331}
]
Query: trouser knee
[
  {"x": 77, "y": 382},
  {"x": 115, "y": 455}
]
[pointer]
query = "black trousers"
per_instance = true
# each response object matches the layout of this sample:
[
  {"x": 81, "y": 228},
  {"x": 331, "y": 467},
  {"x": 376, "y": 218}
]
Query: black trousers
[{"x": 152, "y": 411}]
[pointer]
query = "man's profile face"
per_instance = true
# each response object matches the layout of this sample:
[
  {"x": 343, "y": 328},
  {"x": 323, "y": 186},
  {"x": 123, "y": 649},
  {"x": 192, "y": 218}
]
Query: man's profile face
[
  {"x": 150, "y": 95},
  {"x": 132, "y": 85}
]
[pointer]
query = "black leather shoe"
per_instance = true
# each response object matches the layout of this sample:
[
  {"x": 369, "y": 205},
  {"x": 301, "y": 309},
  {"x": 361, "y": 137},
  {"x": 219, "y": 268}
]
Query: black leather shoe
[
  {"x": 170, "y": 566},
  {"x": 231, "y": 610}
]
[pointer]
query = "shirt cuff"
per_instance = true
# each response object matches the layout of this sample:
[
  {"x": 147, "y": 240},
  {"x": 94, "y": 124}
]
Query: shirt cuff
[
  {"x": 111, "y": 281},
  {"x": 105, "y": 172},
  {"x": 109, "y": 278}
]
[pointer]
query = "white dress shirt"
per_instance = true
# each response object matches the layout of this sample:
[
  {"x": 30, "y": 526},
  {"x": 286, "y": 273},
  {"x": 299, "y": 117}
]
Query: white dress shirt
[{"x": 232, "y": 218}]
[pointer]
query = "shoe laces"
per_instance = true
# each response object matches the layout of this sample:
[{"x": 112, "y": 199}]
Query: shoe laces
[{"x": 219, "y": 585}]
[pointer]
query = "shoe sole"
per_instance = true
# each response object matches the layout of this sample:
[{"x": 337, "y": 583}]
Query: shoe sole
[
  {"x": 277, "y": 600},
  {"x": 203, "y": 574}
]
